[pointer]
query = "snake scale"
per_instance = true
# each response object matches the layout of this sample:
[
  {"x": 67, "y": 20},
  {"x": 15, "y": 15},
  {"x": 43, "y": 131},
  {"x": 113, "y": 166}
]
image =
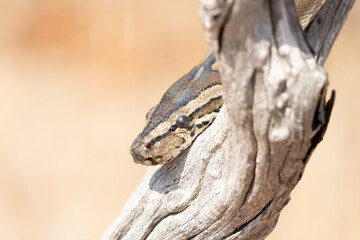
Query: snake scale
[{"x": 190, "y": 105}]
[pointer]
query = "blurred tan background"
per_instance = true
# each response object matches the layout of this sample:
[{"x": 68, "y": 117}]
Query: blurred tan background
[{"x": 76, "y": 80}]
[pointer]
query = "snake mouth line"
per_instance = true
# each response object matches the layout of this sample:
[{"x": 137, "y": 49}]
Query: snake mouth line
[{"x": 144, "y": 161}]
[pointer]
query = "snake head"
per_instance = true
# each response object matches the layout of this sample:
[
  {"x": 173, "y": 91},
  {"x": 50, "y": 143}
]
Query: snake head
[
  {"x": 160, "y": 144},
  {"x": 187, "y": 108}
]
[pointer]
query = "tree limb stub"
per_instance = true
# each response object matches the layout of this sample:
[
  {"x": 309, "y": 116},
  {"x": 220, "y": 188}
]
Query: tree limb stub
[{"x": 238, "y": 175}]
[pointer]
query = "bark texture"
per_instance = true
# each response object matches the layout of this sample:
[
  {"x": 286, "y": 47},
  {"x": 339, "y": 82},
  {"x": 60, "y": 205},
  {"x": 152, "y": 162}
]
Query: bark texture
[{"x": 238, "y": 175}]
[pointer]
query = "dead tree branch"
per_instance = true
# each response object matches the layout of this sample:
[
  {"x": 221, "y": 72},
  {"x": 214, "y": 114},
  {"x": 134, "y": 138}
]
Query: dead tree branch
[{"x": 238, "y": 175}]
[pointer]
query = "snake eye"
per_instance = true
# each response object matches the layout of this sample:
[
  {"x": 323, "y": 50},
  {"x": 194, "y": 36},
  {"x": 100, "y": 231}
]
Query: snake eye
[{"x": 183, "y": 121}]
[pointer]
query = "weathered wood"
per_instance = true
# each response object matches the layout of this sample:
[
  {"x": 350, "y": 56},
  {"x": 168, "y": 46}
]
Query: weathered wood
[
  {"x": 325, "y": 27},
  {"x": 238, "y": 175}
]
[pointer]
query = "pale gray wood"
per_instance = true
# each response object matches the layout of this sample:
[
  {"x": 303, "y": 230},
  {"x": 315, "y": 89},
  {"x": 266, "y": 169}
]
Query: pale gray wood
[
  {"x": 238, "y": 175},
  {"x": 326, "y": 25}
]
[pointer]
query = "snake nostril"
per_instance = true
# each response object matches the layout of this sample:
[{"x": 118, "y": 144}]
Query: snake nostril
[{"x": 148, "y": 145}]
